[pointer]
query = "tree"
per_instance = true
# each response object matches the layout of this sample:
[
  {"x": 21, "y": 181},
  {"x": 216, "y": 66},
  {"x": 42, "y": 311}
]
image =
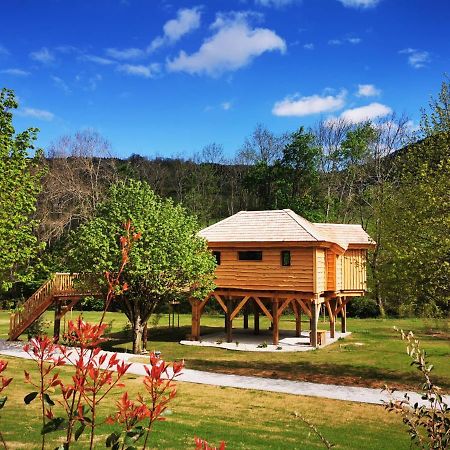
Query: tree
[
  {"x": 80, "y": 169},
  {"x": 291, "y": 179},
  {"x": 20, "y": 177},
  {"x": 169, "y": 260},
  {"x": 416, "y": 263}
]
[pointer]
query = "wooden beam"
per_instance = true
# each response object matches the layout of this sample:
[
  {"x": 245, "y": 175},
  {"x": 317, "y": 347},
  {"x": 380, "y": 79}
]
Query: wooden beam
[
  {"x": 298, "y": 318},
  {"x": 203, "y": 303},
  {"x": 285, "y": 304},
  {"x": 246, "y": 316},
  {"x": 256, "y": 318},
  {"x": 229, "y": 320},
  {"x": 304, "y": 307},
  {"x": 262, "y": 293},
  {"x": 264, "y": 309},
  {"x": 344, "y": 316},
  {"x": 341, "y": 306},
  {"x": 314, "y": 322},
  {"x": 276, "y": 319},
  {"x": 239, "y": 307},
  {"x": 221, "y": 303}
]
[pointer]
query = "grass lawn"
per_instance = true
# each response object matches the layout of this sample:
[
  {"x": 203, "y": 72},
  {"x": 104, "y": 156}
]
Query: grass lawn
[
  {"x": 372, "y": 356},
  {"x": 245, "y": 419}
]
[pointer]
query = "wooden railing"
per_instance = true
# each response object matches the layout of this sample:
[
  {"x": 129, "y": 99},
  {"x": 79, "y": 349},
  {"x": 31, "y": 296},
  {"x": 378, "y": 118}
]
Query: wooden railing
[{"x": 61, "y": 284}]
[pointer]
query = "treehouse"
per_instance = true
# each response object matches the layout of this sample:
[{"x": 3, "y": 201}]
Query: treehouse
[{"x": 268, "y": 261}]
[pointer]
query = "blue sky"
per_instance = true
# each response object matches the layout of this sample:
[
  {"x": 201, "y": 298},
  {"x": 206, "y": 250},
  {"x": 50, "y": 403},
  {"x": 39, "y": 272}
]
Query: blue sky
[{"x": 167, "y": 78}]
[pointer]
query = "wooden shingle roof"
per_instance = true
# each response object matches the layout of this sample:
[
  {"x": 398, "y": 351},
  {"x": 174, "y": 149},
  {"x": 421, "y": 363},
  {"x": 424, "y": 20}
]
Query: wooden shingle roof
[{"x": 281, "y": 226}]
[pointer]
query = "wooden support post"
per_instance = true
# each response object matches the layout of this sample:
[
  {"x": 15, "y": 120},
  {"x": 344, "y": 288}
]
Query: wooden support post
[
  {"x": 195, "y": 331},
  {"x": 344, "y": 318},
  {"x": 256, "y": 317},
  {"x": 275, "y": 329},
  {"x": 229, "y": 321},
  {"x": 57, "y": 324},
  {"x": 331, "y": 310},
  {"x": 314, "y": 321},
  {"x": 298, "y": 318},
  {"x": 246, "y": 316}
]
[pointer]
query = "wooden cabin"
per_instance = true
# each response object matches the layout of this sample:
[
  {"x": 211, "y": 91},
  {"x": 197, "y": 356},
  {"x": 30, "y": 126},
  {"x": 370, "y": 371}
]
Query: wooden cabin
[{"x": 268, "y": 261}]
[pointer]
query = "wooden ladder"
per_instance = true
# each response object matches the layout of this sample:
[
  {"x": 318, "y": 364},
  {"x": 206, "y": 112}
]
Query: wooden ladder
[{"x": 61, "y": 285}]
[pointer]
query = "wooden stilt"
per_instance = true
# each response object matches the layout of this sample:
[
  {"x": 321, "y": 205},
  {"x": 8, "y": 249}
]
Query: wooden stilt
[
  {"x": 57, "y": 324},
  {"x": 256, "y": 317},
  {"x": 332, "y": 318},
  {"x": 344, "y": 318},
  {"x": 276, "y": 319},
  {"x": 194, "y": 330},
  {"x": 298, "y": 318},
  {"x": 229, "y": 321},
  {"x": 246, "y": 316},
  {"x": 314, "y": 321}
]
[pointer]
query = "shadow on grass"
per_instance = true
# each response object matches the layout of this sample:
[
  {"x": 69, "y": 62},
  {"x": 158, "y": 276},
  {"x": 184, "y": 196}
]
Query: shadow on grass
[
  {"x": 345, "y": 374},
  {"x": 160, "y": 334}
]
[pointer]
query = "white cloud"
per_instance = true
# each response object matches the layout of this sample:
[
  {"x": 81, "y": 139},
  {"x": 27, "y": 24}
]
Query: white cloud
[
  {"x": 364, "y": 113},
  {"x": 334, "y": 42},
  {"x": 139, "y": 70},
  {"x": 61, "y": 84},
  {"x": 416, "y": 58},
  {"x": 226, "y": 106},
  {"x": 309, "y": 46},
  {"x": 363, "y": 4},
  {"x": 305, "y": 106},
  {"x": 234, "y": 44},
  {"x": 97, "y": 60},
  {"x": 186, "y": 21},
  {"x": 125, "y": 54},
  {"x": 368, "y": 90},
  {"x": 15, "y": 72},
  {"x": 93, "y": 81},
  {"x": 40, "y": 114},
  {"x": 44, "y": 56},
  {"x": 275, "y": 3},
  {"x": 351, "y": 40}
]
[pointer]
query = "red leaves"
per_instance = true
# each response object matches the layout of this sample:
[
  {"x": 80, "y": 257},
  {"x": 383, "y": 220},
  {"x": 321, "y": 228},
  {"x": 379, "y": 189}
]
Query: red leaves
[
  {"x": 84, "y": 334},
  {"x": 3, "y": 380},
  {"x": 201, "y": 444}
]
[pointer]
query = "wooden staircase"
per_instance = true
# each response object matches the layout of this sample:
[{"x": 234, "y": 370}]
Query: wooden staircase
[{"x": 61, "y": 286}]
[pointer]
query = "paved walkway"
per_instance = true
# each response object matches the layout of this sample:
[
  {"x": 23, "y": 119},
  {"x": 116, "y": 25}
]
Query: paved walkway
[{"x": 331, "y": 391}]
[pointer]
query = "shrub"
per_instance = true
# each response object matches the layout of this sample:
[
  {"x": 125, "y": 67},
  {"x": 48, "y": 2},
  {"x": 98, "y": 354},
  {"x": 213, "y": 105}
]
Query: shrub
[{"x": 363, "y": 308}]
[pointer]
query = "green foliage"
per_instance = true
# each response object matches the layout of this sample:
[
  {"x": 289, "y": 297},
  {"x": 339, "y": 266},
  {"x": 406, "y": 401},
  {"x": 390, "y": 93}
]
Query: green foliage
[
  {"x": 291, "y": 180},
  {"x": 429, "y": 423},
  {"x": 416, "y": 266},
  {"x": 20, "y": 176},
  {"x": 168, "y": 260}
]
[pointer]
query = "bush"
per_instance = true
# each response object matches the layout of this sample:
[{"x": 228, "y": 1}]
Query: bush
[
  {"x": 92, "y": 304},
  {"x": 363, "y": 308}
]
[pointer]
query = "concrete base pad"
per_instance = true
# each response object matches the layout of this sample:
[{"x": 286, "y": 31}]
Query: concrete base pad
[{"x": 245, "y": 340}]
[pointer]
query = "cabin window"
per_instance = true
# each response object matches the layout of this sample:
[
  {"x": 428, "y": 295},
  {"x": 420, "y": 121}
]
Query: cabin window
[
  {"x": 286, "y": 258},
  {"x": 217, "y": 256},
  {"x": 250, "y": 256}
]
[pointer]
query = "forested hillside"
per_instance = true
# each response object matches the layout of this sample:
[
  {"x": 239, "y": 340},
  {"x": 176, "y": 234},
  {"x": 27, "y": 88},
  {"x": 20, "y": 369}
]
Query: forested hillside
[{"x": 393, "y": 180}]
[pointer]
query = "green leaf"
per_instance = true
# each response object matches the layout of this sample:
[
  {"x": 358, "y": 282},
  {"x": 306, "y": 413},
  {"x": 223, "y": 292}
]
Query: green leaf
[
  {"x": 3, "y": 401},
  {"x": 79, "y": 431},
  {"x": 49, "y": 400},
  {"x": 111, "y": 439},
  {"x": 30, "y": 397},
  {"x": 53, "y": 425}
]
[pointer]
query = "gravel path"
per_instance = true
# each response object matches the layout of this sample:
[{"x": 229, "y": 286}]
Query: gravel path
[{"x": 331, "y": 391}]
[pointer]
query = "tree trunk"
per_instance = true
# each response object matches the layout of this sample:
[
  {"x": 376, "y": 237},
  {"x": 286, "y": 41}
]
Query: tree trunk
[
  {"x": 138, "y": 330},
  {"x": 145, "y": 336}
]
